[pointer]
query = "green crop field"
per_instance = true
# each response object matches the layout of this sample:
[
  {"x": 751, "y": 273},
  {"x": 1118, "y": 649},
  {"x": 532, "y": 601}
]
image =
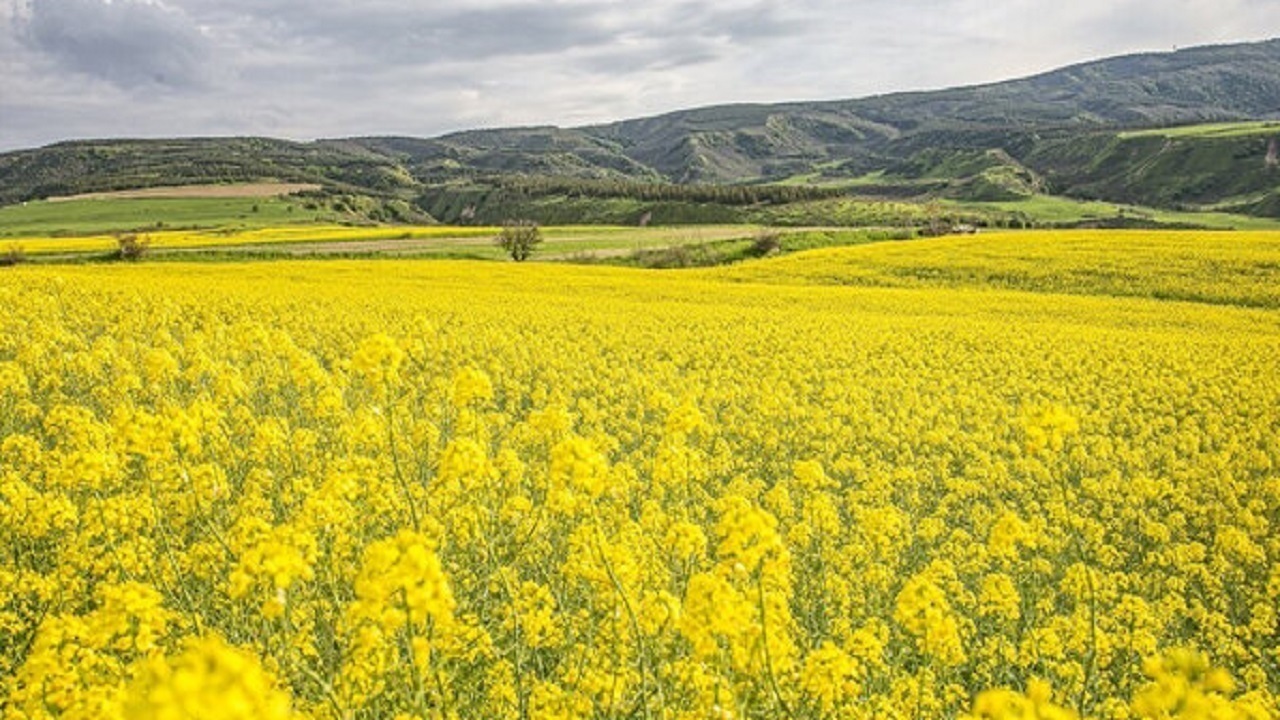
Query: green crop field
[
  {"x": 1230, "y": 129},
  {"x": 97, "y": 215}
]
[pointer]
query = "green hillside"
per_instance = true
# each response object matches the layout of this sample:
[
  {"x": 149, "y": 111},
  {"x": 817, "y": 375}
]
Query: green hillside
[
  {"x": 72, "y": 168},
  {"x": 1230, "y": 167},
  {"x": 739, "y": 143},
  {"x": 1191, "y": 130}
]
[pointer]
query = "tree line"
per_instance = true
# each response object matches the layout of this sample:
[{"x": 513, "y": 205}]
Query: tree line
[{"x": 537, "y": 186}]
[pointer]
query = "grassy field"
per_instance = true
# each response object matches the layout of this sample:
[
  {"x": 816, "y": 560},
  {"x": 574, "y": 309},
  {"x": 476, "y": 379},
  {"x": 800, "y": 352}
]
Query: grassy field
[
  {"x": 566, "y": 242},
  {"x": 102, "y": 215},
  {"x": 1019, "y": 475},
  {"x": 578, "y": 242}
]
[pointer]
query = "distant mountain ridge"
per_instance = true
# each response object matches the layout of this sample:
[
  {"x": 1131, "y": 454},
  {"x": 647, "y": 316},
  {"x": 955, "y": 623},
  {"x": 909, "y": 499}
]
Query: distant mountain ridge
[
  {"x": 1055, "y": 131},
  {"x": 735, "y": 143}
]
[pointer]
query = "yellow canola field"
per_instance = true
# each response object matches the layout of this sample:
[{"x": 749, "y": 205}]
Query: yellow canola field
[
  {"x": 399, "y": 489},
  {"x": 1235, "y": 268},
  {"x": 176, "y": 239}
]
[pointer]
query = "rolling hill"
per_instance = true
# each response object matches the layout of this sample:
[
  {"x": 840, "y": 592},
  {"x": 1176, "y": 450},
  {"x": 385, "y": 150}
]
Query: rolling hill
[{"x": 1070, "y": 132}]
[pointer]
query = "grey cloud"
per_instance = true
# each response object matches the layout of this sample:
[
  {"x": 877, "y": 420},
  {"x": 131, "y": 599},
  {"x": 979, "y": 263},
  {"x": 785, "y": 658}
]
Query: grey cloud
[
  {"x": 368, "y": 33},
  {"x": 308, "y": 68},
  {"x": 754, "y": 22},
  {"x": 659, "y": 56},
  {"x": 479, "y": 35},
  {"x": 130, "y": 43},
  {"x": 402, "y": 32}
]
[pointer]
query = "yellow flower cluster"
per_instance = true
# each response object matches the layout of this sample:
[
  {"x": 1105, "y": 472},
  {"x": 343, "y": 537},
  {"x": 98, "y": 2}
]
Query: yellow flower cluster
[
  {"x": 1184, "y": 685},
  {"x": 458, "y": 490},
  {"x": 402, "y": 584},
  {"x": 209, "y": 680},
  {"x": 922, "y": 608},
  {"x": 1036, "y": 704}
]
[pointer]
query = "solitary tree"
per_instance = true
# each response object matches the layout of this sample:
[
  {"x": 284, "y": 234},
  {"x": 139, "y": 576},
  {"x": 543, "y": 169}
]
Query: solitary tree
[{"x": 518, "y": 238}]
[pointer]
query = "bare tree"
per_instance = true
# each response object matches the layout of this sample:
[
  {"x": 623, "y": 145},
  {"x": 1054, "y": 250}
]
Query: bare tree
[{"x": 518, "y": 237}]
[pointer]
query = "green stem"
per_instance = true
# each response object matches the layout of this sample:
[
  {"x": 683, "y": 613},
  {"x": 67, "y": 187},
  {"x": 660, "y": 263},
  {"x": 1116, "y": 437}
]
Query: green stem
[
  {"x": 642, "y": 661},
  {"x": 399, "y": 472},
  {"x": 768, "y": 658}
]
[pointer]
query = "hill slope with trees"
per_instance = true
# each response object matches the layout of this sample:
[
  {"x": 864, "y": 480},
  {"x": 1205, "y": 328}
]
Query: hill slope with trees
[{"x": 1068, "y": 132}]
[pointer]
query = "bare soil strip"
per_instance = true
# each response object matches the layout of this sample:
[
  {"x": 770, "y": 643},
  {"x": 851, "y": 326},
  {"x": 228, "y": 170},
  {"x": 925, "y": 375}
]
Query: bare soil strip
[{"x": 243, "y": 190}]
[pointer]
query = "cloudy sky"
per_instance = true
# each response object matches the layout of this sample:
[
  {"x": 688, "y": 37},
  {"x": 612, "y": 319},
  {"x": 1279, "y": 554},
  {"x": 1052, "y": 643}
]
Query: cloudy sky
[{"x": 325, "y": 68}]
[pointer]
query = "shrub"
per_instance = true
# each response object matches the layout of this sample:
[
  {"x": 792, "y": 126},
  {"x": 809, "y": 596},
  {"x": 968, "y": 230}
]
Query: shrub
[
  {"x": 767, "y": 242},
  {"x": 14, "y": 255},
  {"x": 132, "y": 246}
]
